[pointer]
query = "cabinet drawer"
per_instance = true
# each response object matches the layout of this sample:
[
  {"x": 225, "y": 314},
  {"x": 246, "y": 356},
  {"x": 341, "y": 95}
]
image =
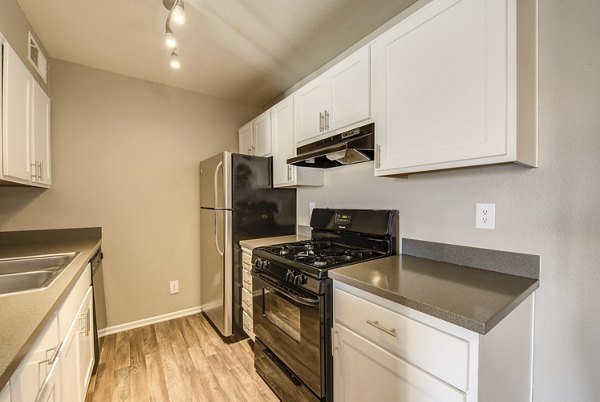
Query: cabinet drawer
[
  {"x": 247, "y": 259},
  {"x": 73, "y": 301},
  {"x": 247, "y": 301},
  {"x": 248, "y": 325},
  {"x": 247, "y": 280},
  {"x": 437, "y": 352}
]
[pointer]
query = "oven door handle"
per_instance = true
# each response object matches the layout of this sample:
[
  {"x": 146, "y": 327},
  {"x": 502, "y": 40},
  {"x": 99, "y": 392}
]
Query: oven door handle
[{"x": 307, "y": 301}]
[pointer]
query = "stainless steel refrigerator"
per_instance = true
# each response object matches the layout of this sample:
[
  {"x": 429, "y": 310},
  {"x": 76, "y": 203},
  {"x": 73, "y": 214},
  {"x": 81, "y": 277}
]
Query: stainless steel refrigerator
[{"x": 238, "y": 202}]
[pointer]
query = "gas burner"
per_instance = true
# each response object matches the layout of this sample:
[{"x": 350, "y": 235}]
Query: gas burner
[{"x": 319, "y": 263}]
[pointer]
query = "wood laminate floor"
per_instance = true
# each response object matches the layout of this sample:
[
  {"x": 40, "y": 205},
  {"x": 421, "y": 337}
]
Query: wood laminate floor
[{"x": 178, "y": 360}]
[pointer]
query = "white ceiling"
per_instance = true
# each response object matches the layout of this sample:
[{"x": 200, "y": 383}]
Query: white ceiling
[{"x": 247, "y": 51}]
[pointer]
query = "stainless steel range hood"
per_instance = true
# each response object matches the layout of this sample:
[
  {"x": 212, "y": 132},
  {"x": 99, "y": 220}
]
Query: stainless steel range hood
[{"x": 349, "y": 147}]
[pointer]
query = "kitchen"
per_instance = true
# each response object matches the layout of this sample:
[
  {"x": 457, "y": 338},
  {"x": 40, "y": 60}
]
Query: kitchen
[{"x": 125, "y": 155}]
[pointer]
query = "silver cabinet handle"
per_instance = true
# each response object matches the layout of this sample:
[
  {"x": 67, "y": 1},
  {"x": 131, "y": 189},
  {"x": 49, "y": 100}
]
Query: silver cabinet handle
[
  {"x": 321, "y": 123},
  {"x": 326, "y": 114},
  {"x": 289, "y": 173},
  {"x": 249, "y": 151},
  {"x": 54, "y": 354},
  {"x": 88, "y": 322},
  {"x": 82, "y": 324},
  {"x": 253, "y": 149},
  {"x": 41, "y": 171},
  {"x": 378, "y": 156},
  {"x": 375, "y": 324}
]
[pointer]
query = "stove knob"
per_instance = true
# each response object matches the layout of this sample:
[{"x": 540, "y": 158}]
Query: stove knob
[
  {"x": 265, "y": 264},
  {"x": 300, "y": 280},
  {"x": 289, "y": 276},
  {"x": 259, "y": 263}
]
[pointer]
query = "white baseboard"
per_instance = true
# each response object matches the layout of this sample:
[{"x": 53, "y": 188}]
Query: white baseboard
[{"x": 147, "y": 321}]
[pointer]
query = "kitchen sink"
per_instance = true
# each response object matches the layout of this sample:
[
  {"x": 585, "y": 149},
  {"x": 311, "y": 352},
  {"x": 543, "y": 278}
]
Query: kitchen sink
[{"x": 31, "y": 272}]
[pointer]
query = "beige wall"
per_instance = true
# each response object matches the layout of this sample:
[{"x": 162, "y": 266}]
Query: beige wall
[
  {"x": 125, "y": 156},
  {"x": 15, "y": 27},
  {"x": 552, "y": 211}
]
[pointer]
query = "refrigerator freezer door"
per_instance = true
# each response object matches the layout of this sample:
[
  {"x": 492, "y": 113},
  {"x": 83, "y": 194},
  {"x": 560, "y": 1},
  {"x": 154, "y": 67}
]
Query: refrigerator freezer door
[
  {"x": 216, "y": 268},
  {"x": 215, "y": 186}
]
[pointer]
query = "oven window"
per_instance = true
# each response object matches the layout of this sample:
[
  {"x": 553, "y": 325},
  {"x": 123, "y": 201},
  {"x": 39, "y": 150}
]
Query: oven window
[{"x": 282, "y": 313}]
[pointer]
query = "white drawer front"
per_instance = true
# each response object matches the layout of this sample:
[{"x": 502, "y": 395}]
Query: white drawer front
[
  {"x": 437, "y": 352},
  {"x": 73, "y": 301},
  {"x": 246, "y": 259},
  {"x": 247, "y": 280},
  {"x": 248, "y": 325},
  {"x": 247, "y": 301}
]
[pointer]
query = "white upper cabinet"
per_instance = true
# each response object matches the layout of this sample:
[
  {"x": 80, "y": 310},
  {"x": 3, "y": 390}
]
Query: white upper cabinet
[
  {"x": 17, "y": 87},
  {"x": 350, "y": 90},
  {"x": 338, "y": 98},
  {"x": 282, "y": 130},
  {"x": 255, "y": 136},
  {"x": 25, "y": 125},
  {"x": 41, "y": 135},
  {"x": 445, "y": 88},
  {"x": 246, "y": 141},
  {"x": 261, "y": 130}
]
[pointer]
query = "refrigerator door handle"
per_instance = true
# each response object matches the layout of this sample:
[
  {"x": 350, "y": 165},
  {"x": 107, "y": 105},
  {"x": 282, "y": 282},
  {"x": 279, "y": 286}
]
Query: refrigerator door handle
[
  {"x": 221, "y": 252},
  {"x": 216, "y": 184}
]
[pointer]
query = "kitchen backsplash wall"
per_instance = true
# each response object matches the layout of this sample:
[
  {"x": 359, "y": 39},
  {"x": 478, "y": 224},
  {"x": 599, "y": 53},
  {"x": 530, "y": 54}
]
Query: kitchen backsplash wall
[
  {"x": 125, "y": 156},
  {"x": 552, "y": 211}
]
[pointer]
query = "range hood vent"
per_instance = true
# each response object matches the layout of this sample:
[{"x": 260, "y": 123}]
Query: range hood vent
[{"x": 347, "y": 148}]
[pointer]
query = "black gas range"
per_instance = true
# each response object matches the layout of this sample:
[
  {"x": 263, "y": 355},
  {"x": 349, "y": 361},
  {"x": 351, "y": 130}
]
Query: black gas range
[{"x": 293, "y": 301}]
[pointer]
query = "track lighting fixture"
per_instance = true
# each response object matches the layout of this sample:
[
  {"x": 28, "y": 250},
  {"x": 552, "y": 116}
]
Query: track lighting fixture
[
  {"x": 175, "y": 63},
  {"x": 177, "y": 15}
]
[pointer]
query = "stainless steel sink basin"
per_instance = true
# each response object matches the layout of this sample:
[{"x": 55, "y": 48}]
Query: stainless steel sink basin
[{"x": 32, "y": 272}]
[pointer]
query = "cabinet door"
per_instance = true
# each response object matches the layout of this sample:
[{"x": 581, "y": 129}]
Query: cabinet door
[
  {"x": 350, "y": 90},
  {"x": 310, "y": 103},
  {"x": 245, "y": 140},
  {"x": 261, "y": 128},
  {"x": 70, "y": 365},
  {"x": 16, "y": 99},
  {"x": 282, "y": 130},
  {"x": 41, "y": 135},
  {"x": 365, "y": 372},
  {"x": 442, "y": 82},
  {"x": 31, "y": 374},
  {"x": 52, "y": 388},
  {"x": 86, "y": 343}
]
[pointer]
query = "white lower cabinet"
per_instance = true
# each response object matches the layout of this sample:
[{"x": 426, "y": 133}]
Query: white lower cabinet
[
  {"x": 383, "y": 351},
  {"x": 59, "y": 365},
  {"x": 365, "y": 371},
  {"x": 247, "y": 321},
  {"x": 41, "y": 360}
]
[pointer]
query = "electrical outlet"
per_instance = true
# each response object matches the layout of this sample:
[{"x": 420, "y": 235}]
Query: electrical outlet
[
  {"x": 174, "y": 285},
  {"x": 485, "y": 216}
]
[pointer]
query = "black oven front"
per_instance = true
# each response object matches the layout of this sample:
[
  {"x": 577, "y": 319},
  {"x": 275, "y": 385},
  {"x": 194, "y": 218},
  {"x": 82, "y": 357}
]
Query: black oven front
[{"x": 292, "y": 328}]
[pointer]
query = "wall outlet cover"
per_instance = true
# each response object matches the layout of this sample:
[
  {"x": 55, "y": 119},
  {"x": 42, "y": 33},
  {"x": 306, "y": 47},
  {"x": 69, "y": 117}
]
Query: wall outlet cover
[
  {"x": 174, "y": 287},
  {"x": 485, "y": 216}
]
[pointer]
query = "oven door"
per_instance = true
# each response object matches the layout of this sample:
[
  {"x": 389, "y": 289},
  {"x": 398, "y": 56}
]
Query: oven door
[{"x": 288, "y": 322}]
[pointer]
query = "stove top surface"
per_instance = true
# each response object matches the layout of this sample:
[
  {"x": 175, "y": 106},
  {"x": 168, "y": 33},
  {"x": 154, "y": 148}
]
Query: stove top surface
[{"x": 319, "y": 254}]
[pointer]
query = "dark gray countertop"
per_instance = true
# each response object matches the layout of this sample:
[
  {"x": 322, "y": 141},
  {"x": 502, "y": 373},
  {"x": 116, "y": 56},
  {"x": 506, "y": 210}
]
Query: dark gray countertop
[
  {"x": 472, "y": 298},
  {"x": 23, "y": 315}
]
